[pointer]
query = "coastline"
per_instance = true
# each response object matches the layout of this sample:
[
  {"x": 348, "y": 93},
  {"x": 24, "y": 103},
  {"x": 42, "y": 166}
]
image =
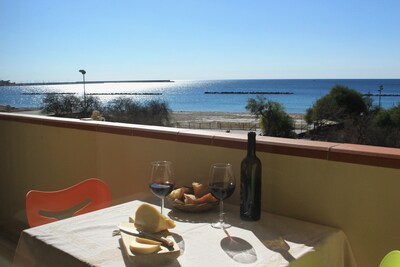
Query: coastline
[
  {"x": 226, "y": 121},
  {"x": 206, "y": 120},
  {"x": 217, "y": 116},
  {"x": 9, "y": 108}
]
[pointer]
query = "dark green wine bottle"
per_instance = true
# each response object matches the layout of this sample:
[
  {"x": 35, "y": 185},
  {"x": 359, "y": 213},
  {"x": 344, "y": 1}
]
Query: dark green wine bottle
[{"x": 250, "y": 182}]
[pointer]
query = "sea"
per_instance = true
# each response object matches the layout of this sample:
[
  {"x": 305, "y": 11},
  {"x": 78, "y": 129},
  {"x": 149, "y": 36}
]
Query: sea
[{"x": 296, "y": 95}]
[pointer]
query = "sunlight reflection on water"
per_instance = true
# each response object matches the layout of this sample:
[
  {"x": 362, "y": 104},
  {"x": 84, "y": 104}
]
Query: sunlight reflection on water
[{"x": 190, "y": 95}]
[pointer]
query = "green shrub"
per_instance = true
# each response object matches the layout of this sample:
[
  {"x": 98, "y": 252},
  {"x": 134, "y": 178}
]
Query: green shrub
[
  {"x": 61, "y": 105},
  {"x": 274, "y": 120},
  {"x": 69, "y": 105},
  {"x": 124, "y": 109},
  {"x": 387, "y": 127},
  {"x": 388, "y": 119},
  {"x": 92, "y": 103},
  {"x": 338, "y": 105}
]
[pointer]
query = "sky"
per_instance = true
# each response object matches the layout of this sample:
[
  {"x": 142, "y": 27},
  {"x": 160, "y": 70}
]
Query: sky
[{"x": 50, "y": 40}]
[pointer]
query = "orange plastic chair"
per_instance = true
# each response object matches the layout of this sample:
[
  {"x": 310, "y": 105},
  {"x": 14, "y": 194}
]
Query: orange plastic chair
[{"x": 93, "y": 193}]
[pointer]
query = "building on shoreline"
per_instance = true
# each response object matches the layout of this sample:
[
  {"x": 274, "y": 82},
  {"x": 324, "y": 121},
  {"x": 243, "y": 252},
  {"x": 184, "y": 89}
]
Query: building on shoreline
[{"x": 6, "y": 83}]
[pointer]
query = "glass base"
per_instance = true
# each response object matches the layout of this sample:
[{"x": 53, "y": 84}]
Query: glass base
[{"x": 220, "y": 225}]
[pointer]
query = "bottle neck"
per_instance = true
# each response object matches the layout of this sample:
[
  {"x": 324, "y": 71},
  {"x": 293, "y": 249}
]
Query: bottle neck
[{"x": 251, "y": 145}]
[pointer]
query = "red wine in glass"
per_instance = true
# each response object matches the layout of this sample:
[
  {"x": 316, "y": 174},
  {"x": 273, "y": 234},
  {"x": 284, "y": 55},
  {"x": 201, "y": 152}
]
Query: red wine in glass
[
  {"x": 221, "y": 190},
  {"x": 161, "y": 189},
  {"x": 161, "y": 179},
  {"x": 222, "y": 185}
]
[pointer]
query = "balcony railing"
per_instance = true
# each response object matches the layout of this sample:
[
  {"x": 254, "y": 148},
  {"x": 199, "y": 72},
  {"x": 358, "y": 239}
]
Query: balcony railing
[{"x": 351, "y": 187}]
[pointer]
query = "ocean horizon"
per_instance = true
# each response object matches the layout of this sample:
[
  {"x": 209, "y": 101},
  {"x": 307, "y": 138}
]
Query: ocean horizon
[{"x": 296, "y": 95}]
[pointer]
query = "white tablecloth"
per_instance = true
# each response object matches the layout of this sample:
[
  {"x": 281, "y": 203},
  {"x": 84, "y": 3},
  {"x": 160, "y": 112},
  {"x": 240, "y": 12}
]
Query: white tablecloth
[{"x": 87, "y": 240}]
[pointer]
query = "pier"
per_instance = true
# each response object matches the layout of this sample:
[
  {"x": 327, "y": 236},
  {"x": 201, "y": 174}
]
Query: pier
[
  {"x": 87, "y": 82},
  {"x": 50, "y": 93},
  {"x": 54, "y": 93}
]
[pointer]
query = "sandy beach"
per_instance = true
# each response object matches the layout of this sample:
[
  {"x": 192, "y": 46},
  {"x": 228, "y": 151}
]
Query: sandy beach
[
  {"x": 220, "y": 116},
  {"x": 206, "y": 117},
  {"x": 222, "y": 121}
]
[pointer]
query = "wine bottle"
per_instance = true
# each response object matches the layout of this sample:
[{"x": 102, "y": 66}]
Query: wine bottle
[{"x": 250, "y": 182}]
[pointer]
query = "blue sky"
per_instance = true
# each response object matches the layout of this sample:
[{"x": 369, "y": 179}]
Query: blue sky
[{"x": 50, "y": 40}]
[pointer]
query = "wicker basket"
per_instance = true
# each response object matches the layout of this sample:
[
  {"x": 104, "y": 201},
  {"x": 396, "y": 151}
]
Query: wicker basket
[{"x": 193, "y": 207}]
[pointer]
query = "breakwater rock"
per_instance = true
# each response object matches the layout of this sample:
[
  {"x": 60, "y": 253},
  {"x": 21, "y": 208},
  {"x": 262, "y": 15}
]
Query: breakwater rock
[
  {"x": 369, "y": 94},
  {"x": 125, "y": 94},
  {"x": 49, "y": 93},
  {"x": 249, "y": 93}
]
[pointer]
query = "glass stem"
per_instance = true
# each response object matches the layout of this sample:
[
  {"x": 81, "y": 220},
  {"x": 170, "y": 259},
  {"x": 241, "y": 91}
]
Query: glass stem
[
  {"x": 162, "y": 205},
  {"x": 221, "y": 213}
]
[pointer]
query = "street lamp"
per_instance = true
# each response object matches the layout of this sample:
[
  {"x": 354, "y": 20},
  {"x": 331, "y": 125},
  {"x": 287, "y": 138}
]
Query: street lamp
[
  {"x": 84, "y": 90},
  {"x": 380, "y": 92}
]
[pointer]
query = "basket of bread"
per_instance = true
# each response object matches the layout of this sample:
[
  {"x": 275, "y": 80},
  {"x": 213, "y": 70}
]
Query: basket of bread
[{"x": 196, "y": 198}]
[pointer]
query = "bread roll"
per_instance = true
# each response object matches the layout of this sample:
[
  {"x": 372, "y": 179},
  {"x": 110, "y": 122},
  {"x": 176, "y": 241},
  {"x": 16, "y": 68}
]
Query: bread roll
[
  {"x": 200, "y": 189},
  {"x": 191, "y": 199},
  {"x": 176, "y": 194},
  {"x": 207, "y": 199}
]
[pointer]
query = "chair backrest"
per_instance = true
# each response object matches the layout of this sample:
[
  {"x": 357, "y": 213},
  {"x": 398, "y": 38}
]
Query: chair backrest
[
  {"x": 93, "y": 193},
  {"x": 392, "y": 259}
]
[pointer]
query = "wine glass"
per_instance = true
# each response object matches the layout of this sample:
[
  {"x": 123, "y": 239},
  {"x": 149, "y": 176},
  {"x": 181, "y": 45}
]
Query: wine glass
[
  {"x": 221, "y": 184},
  {"x": 162, "y": 179}
]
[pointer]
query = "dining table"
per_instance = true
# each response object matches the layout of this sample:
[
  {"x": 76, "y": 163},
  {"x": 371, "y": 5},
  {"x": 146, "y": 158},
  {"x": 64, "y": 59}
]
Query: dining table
[{"x": 274, "y": 240}]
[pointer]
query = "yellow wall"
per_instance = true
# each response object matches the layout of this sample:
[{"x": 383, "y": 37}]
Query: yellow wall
[{"x": 359, "y": 199}]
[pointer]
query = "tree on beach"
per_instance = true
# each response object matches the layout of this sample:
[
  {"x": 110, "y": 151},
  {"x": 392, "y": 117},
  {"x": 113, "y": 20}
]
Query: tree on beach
[
  {"x": 52, "y": 104},
  {"x": 158, "y": 112},
  {"x": 344, "y": 115},
  {"x": 69, "y": 105},
  {"x": 387, "y": 127},
  {"x": 339, "y": 104},
  {"x": 123, "y": 109},
  {"x": 274, "y": 120},
  {"x": 61, "y": 105},
  {"x": 90, "y": 104}
]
